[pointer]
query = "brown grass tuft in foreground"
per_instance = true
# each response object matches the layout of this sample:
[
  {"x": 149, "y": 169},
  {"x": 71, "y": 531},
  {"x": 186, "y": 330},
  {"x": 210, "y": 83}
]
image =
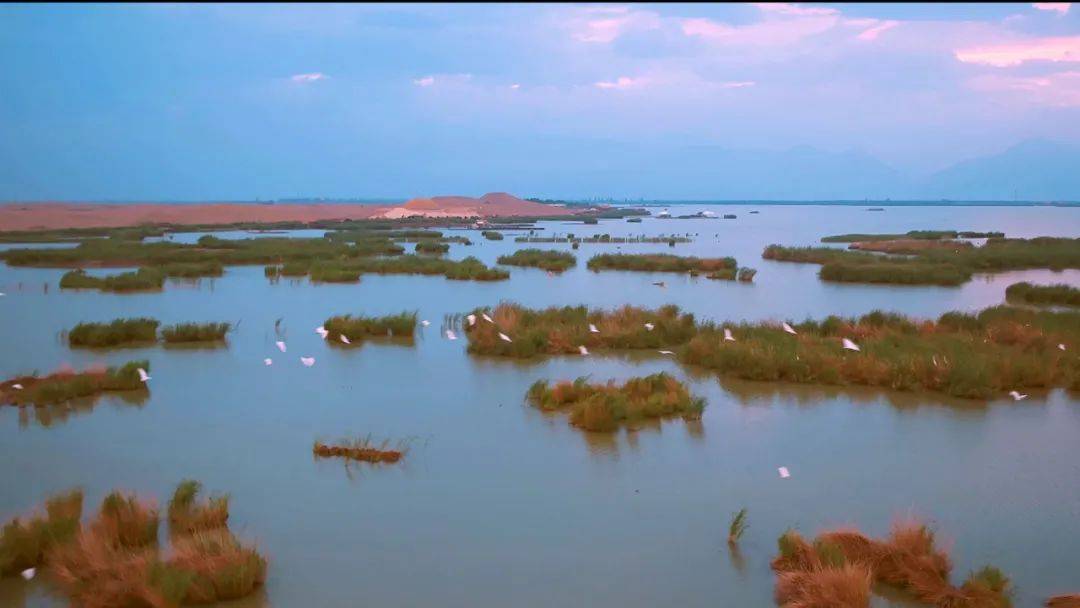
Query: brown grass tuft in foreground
[
  {"x": 846, "y": 586},
  {"x": 127, "y": 522},
  {"x": 363, "y": 449},
  {"x": 187, "y": 515}
]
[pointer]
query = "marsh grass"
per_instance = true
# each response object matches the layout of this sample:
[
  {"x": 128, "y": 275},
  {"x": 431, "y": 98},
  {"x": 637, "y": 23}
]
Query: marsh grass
[
  {"x": 119, "y": 332},
  {"x": 492, "y": 235},
  {"x": 188, "y": 515},
  {"x": 746, "y": 274},
  {"x": 218, "y": 567},
  {"x": 468, "y": 269},
  {"x": 737, "y": 526},
  {"x": 1063, "y": 601},
  {"x": 332, "y": 272},
  {"x": 659, "y": 262},
  {"x": 1059, "y": 295},
  {"x": 911, "y": 235},
  {"x": 603, "y": 239},
  {"x": 192, "y": 270},
  {"x": 28, "y": 542},
  {"x": 143, "y": 279},
  {"x": 431, "y": 247},
  {"x": 606, "y": 407},
  {"x": 126, "y": 521},
  {"x": 183, "y": 333},
  {"x": 554, "y": 261},
  {"x": 363, "y": 449},
  {"x": 360, "y": 327},
  {"x": 60, "y": 387}
]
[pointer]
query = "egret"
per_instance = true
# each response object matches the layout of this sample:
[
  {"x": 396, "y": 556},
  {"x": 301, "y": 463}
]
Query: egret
[
  {"x": 504, "y": 337},
  {"x": 17, "y": 386},
  {"x": 584, "y": 351},
  {"x": 268, "y": 361},
  {"x": 450, "y": 335},
  {"x": 344, "y": 339},
  {"x": 1061, "y": 347},
  {"x": 307, "y": 361},
  {"x": 280, "y": 345},
  {"x": 666, "y": 352},
  {"x": 472, "y": 320},
  {"x": 727, "y": 335},
  {"x": 425, "y": 322},
  {"x": 487, "y": 318},
  {"x": 29, "y": 573},
  {"x": 784, "y": 473},
  {"x": 143, "y": 376},
  {"x": 1017, "y": 396},
  {"x": 649, "y": 326},
  {"x": 789, "y": 329},
  {"x": 322, "y": 331},
  {"x": 592, "y": 329},
  {"x": 848, "y": 344}
]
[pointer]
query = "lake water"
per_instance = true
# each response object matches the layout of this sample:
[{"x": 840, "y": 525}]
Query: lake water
[{"x": 498, "y": 504}]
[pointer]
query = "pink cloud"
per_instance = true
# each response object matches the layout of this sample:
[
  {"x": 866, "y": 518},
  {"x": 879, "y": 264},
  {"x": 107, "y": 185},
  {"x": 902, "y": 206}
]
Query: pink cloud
[
  {"x": 875, "y": 31},
  {"x": 622, "y": 82},
  {"x": 604, "y": 24},
  {"x": 1060, "y": 7},
  {"x": 781, "y": 8},
  {"x": 426, "y": 81},
  {"x": 737, "y": 84},
  {"x": 312, "y": 77},
  {"x": 1015, "y": 53},
  {"x": 1059, "y": 89}
]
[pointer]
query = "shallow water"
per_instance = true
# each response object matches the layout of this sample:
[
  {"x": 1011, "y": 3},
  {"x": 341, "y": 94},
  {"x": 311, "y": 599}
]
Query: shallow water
[{"x": 499, "y": 504}]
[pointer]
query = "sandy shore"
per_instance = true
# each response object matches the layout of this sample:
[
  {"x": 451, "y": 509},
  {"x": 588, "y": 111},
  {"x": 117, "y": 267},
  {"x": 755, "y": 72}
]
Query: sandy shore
[{"x": 37, "y": 216}]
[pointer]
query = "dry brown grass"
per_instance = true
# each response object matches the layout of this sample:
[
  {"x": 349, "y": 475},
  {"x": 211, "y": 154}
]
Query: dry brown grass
[
  {"x": 187, "y": 515},
  {"x": 846, "y": 586},
  {"x": 96, "y": 573},
  {"x": 362, "y": 449},
  {"x": 127, "y": 521},
  {"x": 218, "y": 566},
  {"x": 1063, "y": 601}
]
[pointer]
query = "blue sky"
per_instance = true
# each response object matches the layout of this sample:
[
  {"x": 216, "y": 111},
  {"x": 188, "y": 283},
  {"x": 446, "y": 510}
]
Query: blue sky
[{"x": 187, "y": 102}]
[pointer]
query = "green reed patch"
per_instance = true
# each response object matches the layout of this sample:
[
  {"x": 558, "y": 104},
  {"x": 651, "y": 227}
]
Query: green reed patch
[
  {"x": 188, "y": 515},
  {"x": 431, "y": 247},
  {"x": 26, "y": 542},
  {"x": 554, "y": 261},
  {"x": 181, "y": 333},
  {"x": 144, "y": 279},
  {"x": 360, "y": 327},
  {"x": 66, "y": 386},
  {"x": 118, "y": 332},
  {"x": 1060, "y": 294},
  {"x": 492, "y": 235},
  {"x": 606, "y": 407},
  {"x": 659, "y": 262}
]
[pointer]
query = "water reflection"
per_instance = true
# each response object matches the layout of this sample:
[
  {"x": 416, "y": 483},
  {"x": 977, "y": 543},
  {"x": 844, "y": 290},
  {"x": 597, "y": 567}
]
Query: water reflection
[{"x": 55, "y": 414}]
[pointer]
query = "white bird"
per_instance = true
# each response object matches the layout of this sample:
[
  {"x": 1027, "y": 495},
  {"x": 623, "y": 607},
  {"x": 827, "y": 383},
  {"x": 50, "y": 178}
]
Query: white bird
[
  {"x": 848, "y": 344},
  {"x": 472, "y": 320},
  {"x": 789, "y": 329},
  {"x": 344, "y": 339},
  {"x": 649, "y": 326},
  {"x": 307, "y": 361},
  {"x": 487, "y": 318},
  {"x": 1017, "y": 396},
  {"x": 143, "y": 376},
  {"x": 425, "y": 323},
  {"x": 1061, "y": 347},
  {"x": 665, "y": 352},
  {"x": 592, "y": 329},
  {"x": 322, "y": 331},
  {"x": 29, "y": 572},
  {"x": 504, "y": 337},
  {"x": 727, "y": 335},
  {"x": 784, "y": 473},
  {"x": 450, "y": 335},
  {"x": 280, "y": 345},
  {"x": 934, "y": 359},
  {"x": 17, "y": 386},
  {"x": 584, "y": 351},
  {"x": 268, "y": 361}
]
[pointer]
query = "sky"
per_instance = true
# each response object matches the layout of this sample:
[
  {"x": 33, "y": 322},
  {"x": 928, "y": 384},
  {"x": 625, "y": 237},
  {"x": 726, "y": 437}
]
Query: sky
[{"x": 237, "y": 102}]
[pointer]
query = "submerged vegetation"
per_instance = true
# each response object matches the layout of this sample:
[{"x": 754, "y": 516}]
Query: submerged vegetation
[
  {"x": 554, "y": 261},
  {"x": 65, "y": 386},
  {"x": 360, "y": 327},
  {"x": 838, "y": 567},
  {"x": 1060, "y": 294},
  {"x": 605, "y": 407},
  {"x": 119, "y": 332},
  {"x": 660, "y": 262},
  {"x": 363, "y": 449},
  {"x": 195, "y": 332},
  {"x": 947, "y": 264}
]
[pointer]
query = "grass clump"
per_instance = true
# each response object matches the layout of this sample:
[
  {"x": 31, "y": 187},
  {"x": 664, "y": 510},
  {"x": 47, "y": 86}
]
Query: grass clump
[
  {"x": 127, "y": 522},
  {"x": 492, "y": 235},
  {"x": 363, "y": 449},
  {"x": 188, "y": 515},
  {"x": 331, "y": 272},
  {"x": 66, "y": 386},
  {"x": 217, "y": 566},
  {"x": 192, "y": 270},
  {"x": 605, "y": 407},
  {"x": 27, "y": 543},
  {"x": 737, "y": 526},
  {"x": 360, "y": 327},
  {"x": 118, "y": 332},
  {"x": 1060, "y": 294},
  {"x": 431, "y": 247},
  {"x": 926, "y": 235},
  {"x": 143, "y": 279},
  {"x": 1063, "y": 601},
  {"x": 554, "y": 261},
  {"x": 746, "y": 274},
  {"x": 182, "y": 333},
  {"x": 659, "y": 262}
]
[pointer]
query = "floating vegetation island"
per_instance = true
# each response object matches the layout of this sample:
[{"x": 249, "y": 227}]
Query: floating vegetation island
[
  {"x": 1059, "y": 295},
  {"x": 606, "y": 407},
  {"x": 66, "y": 386},
  {"x": 362, "y": 449},
  {"x": 602, "y": 239},
  {"x": 142, "y": 331},
  {"x": 357, "y": 328},
  {"x": 554, "y": 261}
]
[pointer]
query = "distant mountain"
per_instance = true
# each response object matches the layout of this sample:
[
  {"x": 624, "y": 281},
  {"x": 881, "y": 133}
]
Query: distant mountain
[{"x": 1038, "y": 170}]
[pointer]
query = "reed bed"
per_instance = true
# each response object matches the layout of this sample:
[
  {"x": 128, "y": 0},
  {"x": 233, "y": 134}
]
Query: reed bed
[
  {"x": 555, "y": 330},
  {"x": 218, "y": 566},
  {"x": 188, "y": 515},
  {"x": 118, "y": 332},
  {"x": 139, "y": 280},
  {"x": 907, "y": 559},
  {"x": 431, "y": 247},
  {"x": 192, "y": 270},
  {"x": 468, "y": 269},
  {"x": 333, "y": 272},
  {"x": 659, "y": 262},
  {"x": 922, "y": 235},
  {"x": 1063, "y": 601},
  {"x": 737, "y": 527},
  {"x": 492, "y": 235},
  {"x": 1058, "y": 295},
  {"x": 28, "y": 542},
  {"x": 186, "y": 333},
  {"x": 603, "y": 239},
  {"x": 553, "y": 261},
  {"x": 65, "y": 386},
  {"x": 126, "y": 521},
  {"x": 606, "y": 407},
  {"x": 911, "y": 246},
  {"x": 359, "y": 327},
  {"x": 363, "y": 449}
]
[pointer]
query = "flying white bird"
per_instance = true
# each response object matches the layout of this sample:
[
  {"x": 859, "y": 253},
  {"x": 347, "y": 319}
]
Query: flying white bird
[
  {"x": 268, "y": 361},
  {"x": 1017, "y": 396},
  {"x": 727, "y": 335},
  {"x": 592, "y": 329},
  {"x": 584, "y": 351},
  {"x": 344, "y": 339},
  {"x": 487, "y": 318},
  {"x": 504, "y": 337},
  {"x": 1061, "y": 347},
  {"x": 29, "y": 573},
  {"x": 425, "y": 323},
  {"x": 307, "y": 361},
  {"x": 789, "y": 329},
  {"x": 280, "y": 345},
  {"x": 143, "y": 376},
  {"x": 665, "y": 352},
  {"x": 848, "y": 344},
  {"x": 784, "y": 473},
  {"x": 649, "y": 326},
  {"x": 322, "y": 331},
  {"x": 17, "y": 386},
  {"x": 472, "y": 320},
  {"x": 450, "y": 335}
]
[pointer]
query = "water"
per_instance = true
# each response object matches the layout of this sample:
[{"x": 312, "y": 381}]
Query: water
[{"x": 499, "y": 504}]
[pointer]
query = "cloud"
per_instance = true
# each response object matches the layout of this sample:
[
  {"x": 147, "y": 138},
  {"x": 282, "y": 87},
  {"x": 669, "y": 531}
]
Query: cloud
[
  {"x": 622, "y": 82},
  {"x": 442, "y": 79},
  {"x": 515, "y": 86},
  {"x": 1015, "y": 53},
  {"x": 426, "y": 81},
  {"x": 603, "y": 24},
  {"x": 1060, "y": 89},
  {"x": 737, "y": 84},
  {"x": 311, "y": 77},
  {"x": 875, "y": 31},
  {"x": 781, "y": 8},
  {"x": 785, "y": 25},
  {"x": 1059, "y": 7}
]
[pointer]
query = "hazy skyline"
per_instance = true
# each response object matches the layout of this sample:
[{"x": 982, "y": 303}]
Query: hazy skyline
[{"x": 244, "y": 101}]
